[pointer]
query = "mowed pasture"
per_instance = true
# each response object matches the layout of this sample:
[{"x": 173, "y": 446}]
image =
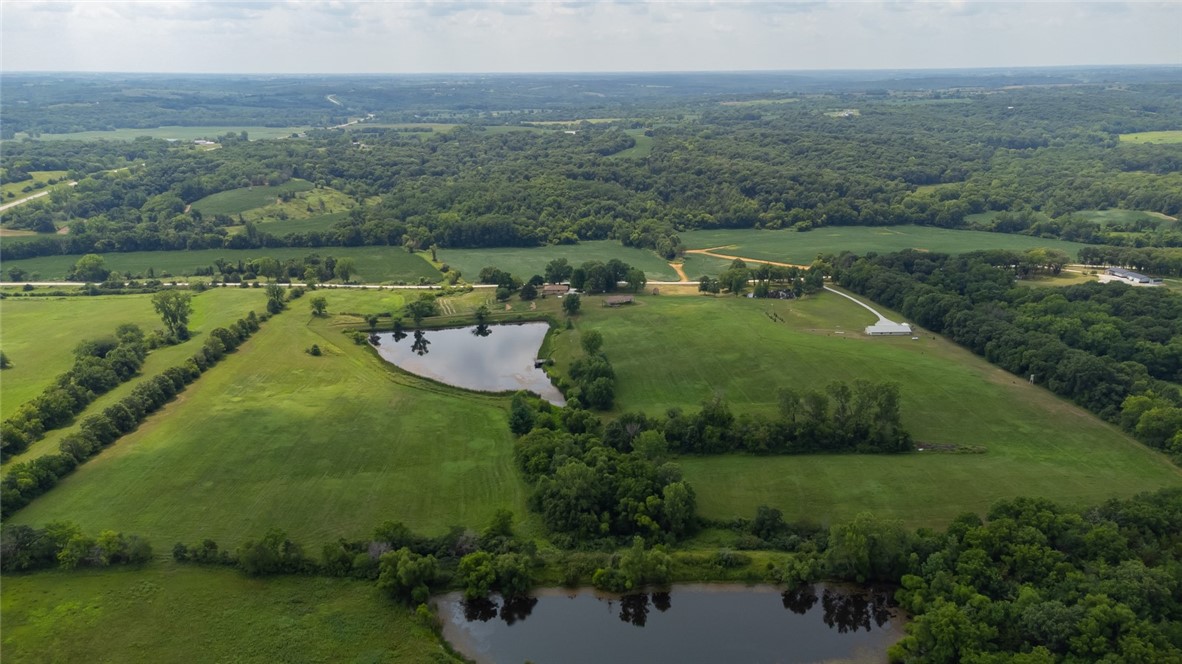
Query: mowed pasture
[
  {"x": 375, "y": 264},
  {"x": 322, "y": 447},
  {"x": 39, "y": 333},
  {"x": 168, "y": 613},
  {"x": 676, "y": 352},
  {"x": 212, "y": 309},
  {"x": 802, "y": 248},
  {"x": 17, "y": 189},
  {"x": 1169, "y": 136},
  {"x": 240, "y": 200},
  {"x": 525, "y": 262}
]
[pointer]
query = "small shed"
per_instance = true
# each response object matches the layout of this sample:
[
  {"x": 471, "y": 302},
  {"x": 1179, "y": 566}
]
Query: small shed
[
  {"x": 617, "y": 300},
  {"x": 555, "y": 289}
]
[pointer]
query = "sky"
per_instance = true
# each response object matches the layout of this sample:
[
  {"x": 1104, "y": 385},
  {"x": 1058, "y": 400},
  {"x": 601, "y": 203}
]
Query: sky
[{"x": 521, "y": 36}]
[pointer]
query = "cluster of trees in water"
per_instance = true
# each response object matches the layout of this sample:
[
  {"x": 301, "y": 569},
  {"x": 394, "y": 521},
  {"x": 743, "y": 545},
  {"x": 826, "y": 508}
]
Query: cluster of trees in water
[
  {"x": 1113, "y": 349},
  {"x": 27, "y": 480},
  {"x": 1044, "y": 151}
]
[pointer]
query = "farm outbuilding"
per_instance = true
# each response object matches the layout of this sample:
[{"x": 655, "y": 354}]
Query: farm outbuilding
[
  {"x": 617, "y": 300},
  {"x": 555, "y": 289},
  {"x": 1129, "y": 275}
]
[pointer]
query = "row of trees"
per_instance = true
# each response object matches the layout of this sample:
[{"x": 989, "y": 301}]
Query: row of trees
[
  {"x": 862, "y": 417},
  {"x": 63, "y": 544},
  {"x": 1113, "y": 349},
  {"x": 99, "y": 366},
  {"x": 27, "y": 480}
]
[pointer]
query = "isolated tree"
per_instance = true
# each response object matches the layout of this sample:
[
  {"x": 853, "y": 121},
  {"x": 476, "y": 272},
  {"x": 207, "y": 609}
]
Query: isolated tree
[
  {"x": 481, "y": 314},
  {"x": 558, "y": 271},
  {"x": 529, "y": 292},
  {"x": 275, "y": 298},
  {"x": 592, "y": 341},
  {"x": 319, "y": 306},
  {"x": 636, "y": 279},
  {"x": 345, "y": 268},
  {"x": 174, "y": 308},
  {"x": 90, "y": 267},
  {"x": 5, "y": 363},
  {"x": 571, "y": 304},
  {"x": 422, "y": 308}
]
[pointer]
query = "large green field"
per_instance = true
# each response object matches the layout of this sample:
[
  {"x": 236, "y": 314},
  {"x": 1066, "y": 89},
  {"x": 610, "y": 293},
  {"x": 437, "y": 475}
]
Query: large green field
[
  {"x": 375, "y": 264},
  {"x": 235, "y": 201},
  {"x": 679, "y": 351},
  {"x": 1171, "y": 136},
  {"x": 528, "y": 261},
  {"x": 166, "y": 613},
  {"x": 174, "y": 132},
  {"x": 795, "y": 247},
  {"x": 39, "y": 334},
  {"x": 322, "y": 447}
]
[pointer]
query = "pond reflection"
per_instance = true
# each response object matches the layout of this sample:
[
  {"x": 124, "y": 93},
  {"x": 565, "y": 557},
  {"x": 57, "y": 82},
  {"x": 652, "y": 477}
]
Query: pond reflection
[
  {"x": 489, "y": 358},
  {"x": 711, "y": 623}
]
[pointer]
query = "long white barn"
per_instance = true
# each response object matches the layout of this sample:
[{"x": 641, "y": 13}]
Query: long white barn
[{"x": 885, "y": 327}]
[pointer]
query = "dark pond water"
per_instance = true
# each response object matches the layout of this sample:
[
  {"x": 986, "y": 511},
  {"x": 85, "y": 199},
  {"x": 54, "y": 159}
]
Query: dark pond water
[
  {"x": 487, "y": 358},
  {"x": 690, "y": 623}
]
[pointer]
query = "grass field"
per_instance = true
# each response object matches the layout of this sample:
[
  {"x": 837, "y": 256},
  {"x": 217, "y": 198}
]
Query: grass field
[
  {"x": 1172, "y": 136},
  {"x": 38, "y": 334},
  {"x": 375, "y": 264},
  {"x": 526, "y": 262},
  {"x": 679, "y": 351},
  {"x": 211, "y": 309},
  {"x": 166, "y": 613},
  {"x": 794, "y": 247},
  {"x": 173, "y": 132},
  {"x": 236, "y": 201},
  {"x": 322, "y": 447},
  {"x": 320, "y": 222},
  {"x": 17, "y": 189},
  {"x": 643, "y": 147}
]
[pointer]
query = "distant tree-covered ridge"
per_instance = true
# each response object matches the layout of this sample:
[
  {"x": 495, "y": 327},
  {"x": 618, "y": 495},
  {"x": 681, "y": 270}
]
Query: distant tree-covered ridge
[{"x": 1019, "y": 161}]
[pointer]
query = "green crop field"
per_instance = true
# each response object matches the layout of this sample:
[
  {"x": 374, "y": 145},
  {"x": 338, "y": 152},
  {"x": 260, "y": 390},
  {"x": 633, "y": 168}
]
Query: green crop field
[
  {"x": 526, "y": 262},
  {"x": 38, "y": 334},
  {"x": 173, "y": 133},
  {"x": 375, "y": 264},
  {"x": 322, "y": 447},
  {"x": 679, "y": 351},
  {"x": 1171, "y": 136},
  {"x": 166, "y": 613},
  {"x": 794, "y": 247},
  {"x": 247, "y": 198}
]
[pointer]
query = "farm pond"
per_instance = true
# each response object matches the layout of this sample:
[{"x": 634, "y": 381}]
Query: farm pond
[
  {"x": 687, "y": 623},
  {"x": 485, "y": 358}
]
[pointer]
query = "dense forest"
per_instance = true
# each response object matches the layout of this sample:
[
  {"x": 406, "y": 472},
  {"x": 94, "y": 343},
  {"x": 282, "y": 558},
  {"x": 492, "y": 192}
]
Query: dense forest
[{"x": 1022, "y": 160}]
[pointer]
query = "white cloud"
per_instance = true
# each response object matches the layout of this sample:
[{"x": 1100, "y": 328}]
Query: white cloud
[{"x": 507, "y": 35}]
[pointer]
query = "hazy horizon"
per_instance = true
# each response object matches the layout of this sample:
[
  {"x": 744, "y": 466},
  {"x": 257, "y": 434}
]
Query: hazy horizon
[{"x": 432, "y": 38}]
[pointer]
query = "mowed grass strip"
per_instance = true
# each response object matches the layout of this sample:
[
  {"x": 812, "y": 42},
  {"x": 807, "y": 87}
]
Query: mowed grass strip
[
  {"x": 167, "y": 613},
  {"x": 524, "y": 262},
  {"x": 676, "y": 352},
  {"x": 377, "y": 264},
  {"x": 212, "y": 309},
  {"x": 322, "y": 447},
  {"x": 794, "y": 247},
  {"x": 239, "y": 200}
]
